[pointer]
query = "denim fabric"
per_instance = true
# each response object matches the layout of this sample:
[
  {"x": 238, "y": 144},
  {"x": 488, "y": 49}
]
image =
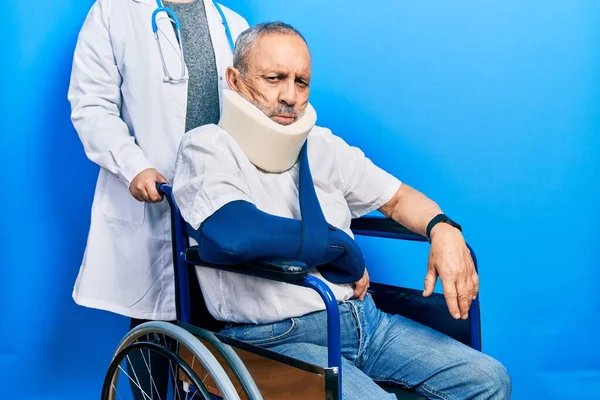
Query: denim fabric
[{"x": 385, "y": 348}]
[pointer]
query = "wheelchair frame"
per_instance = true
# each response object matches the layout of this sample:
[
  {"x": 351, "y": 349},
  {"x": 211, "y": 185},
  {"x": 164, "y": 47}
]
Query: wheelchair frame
[{"x": 288, "y": 271}]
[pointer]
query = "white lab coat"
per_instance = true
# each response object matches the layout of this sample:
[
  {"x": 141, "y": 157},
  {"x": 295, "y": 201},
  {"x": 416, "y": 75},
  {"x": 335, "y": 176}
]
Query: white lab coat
[{"x": 128, "y": 120}]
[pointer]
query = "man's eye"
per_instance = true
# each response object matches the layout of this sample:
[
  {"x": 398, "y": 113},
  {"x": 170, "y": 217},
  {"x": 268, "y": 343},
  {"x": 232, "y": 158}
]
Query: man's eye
[{"x": 272, "y": 78}]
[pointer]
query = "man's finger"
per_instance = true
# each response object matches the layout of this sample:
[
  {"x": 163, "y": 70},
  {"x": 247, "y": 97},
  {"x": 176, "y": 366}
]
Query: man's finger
[
  {"x": 367, "y": 284},
  {"x": 430, "y": 279},
  {"x": 474, "y": 276},
  {"x": 451, "y": 297},
  {"x": 363, "y": 293},
  {"x": 475, "y": 280},
  {"x": 356, "y": 290},
  {"x": 359, "y": 289},
  {"x": 363, "y": 290},
  {"x": 357, "y": 293},
  {"x": 464, "y": 299}
]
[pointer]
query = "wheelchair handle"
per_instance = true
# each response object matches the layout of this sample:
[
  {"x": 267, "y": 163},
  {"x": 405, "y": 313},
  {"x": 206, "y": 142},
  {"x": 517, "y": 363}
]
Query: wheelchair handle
[{"x": 163, "y": 188}]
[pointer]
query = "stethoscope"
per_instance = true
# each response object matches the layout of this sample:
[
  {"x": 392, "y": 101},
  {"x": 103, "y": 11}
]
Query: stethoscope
[{"x": 183, "y": 76}]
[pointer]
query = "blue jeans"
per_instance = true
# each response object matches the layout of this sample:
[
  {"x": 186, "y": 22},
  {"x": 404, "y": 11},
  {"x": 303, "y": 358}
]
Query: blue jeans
[{"x": 379, "y": 347}]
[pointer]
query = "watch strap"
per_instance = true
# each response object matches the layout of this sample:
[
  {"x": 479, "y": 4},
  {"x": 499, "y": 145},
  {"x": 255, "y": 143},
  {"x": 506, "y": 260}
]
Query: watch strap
[{"x": 436, "y": 220}]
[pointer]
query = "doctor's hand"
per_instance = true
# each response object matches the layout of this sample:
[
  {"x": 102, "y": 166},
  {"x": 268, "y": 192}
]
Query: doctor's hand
[
  {"x": 450, "y": 259},
  {"x": 143, "y": 186},
  {"x": 361, "y": 286}
]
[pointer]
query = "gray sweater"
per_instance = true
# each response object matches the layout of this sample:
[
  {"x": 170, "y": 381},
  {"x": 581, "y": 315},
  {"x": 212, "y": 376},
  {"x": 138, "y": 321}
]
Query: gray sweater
[{"x": 203, "y": 84}]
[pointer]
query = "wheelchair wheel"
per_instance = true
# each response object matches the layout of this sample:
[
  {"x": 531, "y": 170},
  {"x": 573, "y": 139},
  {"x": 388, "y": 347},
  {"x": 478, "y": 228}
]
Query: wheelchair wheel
[{"x": 160, "y": 343}]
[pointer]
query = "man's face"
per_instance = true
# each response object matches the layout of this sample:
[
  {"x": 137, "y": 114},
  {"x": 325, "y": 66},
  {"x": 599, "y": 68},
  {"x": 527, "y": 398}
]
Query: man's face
[{"x": 277, "y": 79}]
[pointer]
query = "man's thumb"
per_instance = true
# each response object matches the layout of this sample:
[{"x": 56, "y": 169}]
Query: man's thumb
[{"x": 430, "y": 279}]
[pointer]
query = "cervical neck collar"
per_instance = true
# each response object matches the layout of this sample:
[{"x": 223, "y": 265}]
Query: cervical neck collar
[{"x": 268, "y": 145}]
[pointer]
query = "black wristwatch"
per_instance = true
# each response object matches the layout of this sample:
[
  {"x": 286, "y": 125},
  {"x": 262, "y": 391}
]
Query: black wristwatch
[{"x": 436, "y": 220}]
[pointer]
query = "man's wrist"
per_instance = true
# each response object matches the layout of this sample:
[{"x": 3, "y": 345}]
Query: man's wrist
[
  {"x": 441, "y": 223},
  {"x": 441, "y": 229}
]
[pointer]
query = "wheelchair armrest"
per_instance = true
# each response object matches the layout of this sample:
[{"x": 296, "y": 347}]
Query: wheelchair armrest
[
  {"x": 384, "y": 228},
  {"x": 275, "y": 269},
  {"x": 388, "y": 228}
]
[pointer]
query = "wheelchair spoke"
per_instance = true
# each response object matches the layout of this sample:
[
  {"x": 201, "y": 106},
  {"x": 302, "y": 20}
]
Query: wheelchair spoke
[
  {"x": 175, "y": 380},
  {"x": 194, "y": 395},
  {"x": 115, "y": 390},
  {"x": 149, "y": 367},
  {"x": 137, "y": 384},
  {"x": 205, "y": 376},
  {"x": 137, "y": 381}
]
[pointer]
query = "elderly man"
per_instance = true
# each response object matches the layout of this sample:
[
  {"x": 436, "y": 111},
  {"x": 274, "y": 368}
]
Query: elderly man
[{"x": 245, "y": 173}]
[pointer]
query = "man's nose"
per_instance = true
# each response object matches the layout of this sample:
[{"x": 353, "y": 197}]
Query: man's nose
[{"x": 288, "y": 93}]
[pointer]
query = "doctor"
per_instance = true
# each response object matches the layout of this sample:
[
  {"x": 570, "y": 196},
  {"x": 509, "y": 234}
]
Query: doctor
[{"x": 133, "y": 96}]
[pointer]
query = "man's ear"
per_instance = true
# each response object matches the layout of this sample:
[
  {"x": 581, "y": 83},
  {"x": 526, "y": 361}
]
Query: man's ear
[{"x": 233, "y": 76}]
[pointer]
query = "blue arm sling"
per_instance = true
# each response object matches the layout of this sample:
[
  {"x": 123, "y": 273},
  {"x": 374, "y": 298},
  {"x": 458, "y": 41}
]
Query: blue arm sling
[{"x": 239, "y": 232}]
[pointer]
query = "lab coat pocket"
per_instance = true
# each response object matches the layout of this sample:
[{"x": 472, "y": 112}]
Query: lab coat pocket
[{"x": 118, "y": 203}]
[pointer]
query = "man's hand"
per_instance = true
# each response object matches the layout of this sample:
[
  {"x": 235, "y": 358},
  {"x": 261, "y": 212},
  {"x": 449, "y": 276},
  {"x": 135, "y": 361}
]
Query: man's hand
[
  {"x": 361, "y": 286},
  {"x": 450, "y": 259},
  {"x": 143, "y": 186}
]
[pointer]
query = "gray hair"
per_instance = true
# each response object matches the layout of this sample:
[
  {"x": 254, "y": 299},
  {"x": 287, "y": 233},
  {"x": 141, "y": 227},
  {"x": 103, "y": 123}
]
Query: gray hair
[{"x": 248, "y": 39}]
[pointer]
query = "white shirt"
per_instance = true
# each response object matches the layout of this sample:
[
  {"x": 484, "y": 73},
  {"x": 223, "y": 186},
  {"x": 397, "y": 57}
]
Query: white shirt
[{"x": 212, "y": 170}]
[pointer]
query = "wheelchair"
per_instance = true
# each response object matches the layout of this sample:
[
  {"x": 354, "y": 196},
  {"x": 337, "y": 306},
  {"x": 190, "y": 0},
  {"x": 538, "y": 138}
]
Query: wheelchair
[{"x": 206, "y": 365}]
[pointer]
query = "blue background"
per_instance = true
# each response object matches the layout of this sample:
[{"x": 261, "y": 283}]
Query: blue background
[{"x": 490, "y": 108}]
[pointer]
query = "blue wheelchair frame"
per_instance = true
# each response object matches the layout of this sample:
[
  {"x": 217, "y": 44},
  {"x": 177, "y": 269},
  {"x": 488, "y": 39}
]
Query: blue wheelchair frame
[{"x": 292, "y": 272}]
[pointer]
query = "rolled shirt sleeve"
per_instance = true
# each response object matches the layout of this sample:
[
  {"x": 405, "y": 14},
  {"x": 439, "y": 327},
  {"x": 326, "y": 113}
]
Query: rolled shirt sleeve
[{"x": 366, "y": 186}]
